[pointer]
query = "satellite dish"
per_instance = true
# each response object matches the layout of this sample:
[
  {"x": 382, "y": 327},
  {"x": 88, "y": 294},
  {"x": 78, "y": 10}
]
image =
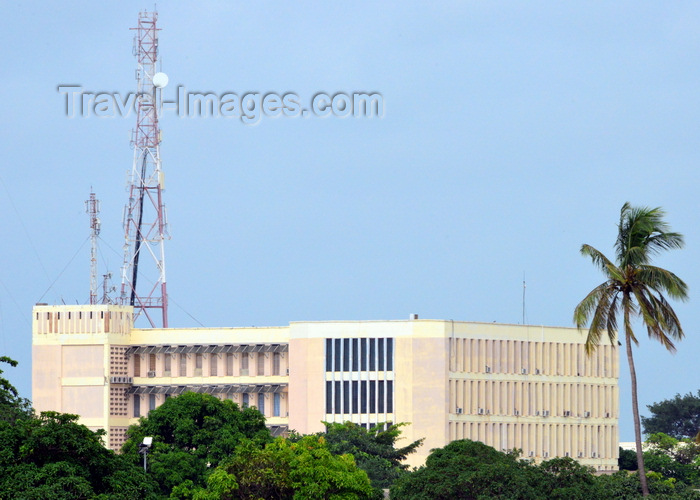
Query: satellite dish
[{"x": 160, "y": 80}]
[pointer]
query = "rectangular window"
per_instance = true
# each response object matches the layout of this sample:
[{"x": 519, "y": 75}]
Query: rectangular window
[
  {"x": 214, "y": 365},
  {"x": 363, "y": 396},
  {"x": 329, "y": 355},
  {"x": 137, "y": 405},
  {"x": 336, "y": 355},
  {"x": 197, "y": 365},
  {"x": 390, "y": 354},
  {"x": 372, "y": 355},
  {"x": 276, "y": 359},
  {"x": 229, "y": 364},
  {"x": 380, "y": 396},
  {"x": 380, "y": 353},
  {"x": 390, "y": 396},
  {"x": 183, "y": 365},
  {"x": 244, "y": 363},
  {"x": 137, "y": 365},
  {"x": 151, "y": 402},
  {"x": 276, "y": 405},
  {"x": 151, "y": 362},
  {"x": 372, "y": 396},
  {"x": 329, "y": 396},
  {"x": 336, "y": 405},
  {"x": 355, "y": 357},
  {"x": 346, "y": 396},
  {"x": 363, "y": 354},
  {"x": 355, "y": 396},
  {"x": 167, "y": 364},
  {"x": 246, "y": 400},
  {"x": 261, "y": 403},
  {"x": 261, "y": 364},
  {"x": 346, "y": 355}
]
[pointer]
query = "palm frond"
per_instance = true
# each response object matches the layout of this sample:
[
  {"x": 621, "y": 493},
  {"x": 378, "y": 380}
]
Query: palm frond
[
  {"x": 599, "y": 306},
  {"x": 663, "y": 281},
  {"x": 598, "y": 258}
]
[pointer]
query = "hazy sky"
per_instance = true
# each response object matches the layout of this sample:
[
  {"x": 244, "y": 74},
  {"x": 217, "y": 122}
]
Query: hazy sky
[{"x": 512, "y": 133}]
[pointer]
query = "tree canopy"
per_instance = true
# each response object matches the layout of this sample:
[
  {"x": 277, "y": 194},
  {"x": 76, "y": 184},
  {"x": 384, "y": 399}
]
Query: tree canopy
[
  {"x": 305, "y": 469},
  {"x": 12, "y": 405},
  {"x": 678, "y": 417},
  {"x": 52, "y": 456},
  {"x": 192, "y": 433},
  {"x": 374, "y": 449}
]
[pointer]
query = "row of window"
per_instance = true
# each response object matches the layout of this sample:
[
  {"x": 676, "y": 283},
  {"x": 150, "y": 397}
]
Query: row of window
[
  {"x": 212, "y": 365},
  {"x": 531, "y": 398},
  {"x": 344, "y": 355},
  {"x": 366, "y": 396},
  {"x": 524, "y": 357},
  {"x": 257, "y": 400}
]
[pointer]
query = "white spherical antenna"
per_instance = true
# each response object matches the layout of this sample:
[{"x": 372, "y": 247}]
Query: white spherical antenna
[{"x": 160, "y": 80}]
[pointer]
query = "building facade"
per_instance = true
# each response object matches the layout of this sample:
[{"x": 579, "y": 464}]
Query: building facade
[{"x": 509, "y": 386}]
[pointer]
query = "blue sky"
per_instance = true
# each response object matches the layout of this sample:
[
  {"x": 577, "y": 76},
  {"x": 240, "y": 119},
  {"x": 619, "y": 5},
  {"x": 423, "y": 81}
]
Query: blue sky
[{"x": 512, "y": 133}]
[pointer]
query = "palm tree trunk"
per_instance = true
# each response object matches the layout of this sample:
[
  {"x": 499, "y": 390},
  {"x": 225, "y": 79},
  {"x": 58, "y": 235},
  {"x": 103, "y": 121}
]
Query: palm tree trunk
[{"x": 635, "y": 413}]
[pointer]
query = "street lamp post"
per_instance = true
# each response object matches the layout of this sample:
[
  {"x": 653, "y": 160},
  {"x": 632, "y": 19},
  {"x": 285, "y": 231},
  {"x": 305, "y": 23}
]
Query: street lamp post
[{"x": 144, "y": 447}]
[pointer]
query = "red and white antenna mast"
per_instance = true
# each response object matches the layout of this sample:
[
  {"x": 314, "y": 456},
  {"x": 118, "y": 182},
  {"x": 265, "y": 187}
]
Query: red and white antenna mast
[
  {"x": 92, "y": 207},
  {"x": 145, "y": 224}
]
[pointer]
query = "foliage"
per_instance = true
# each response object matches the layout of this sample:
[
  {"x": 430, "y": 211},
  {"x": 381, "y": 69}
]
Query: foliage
[
  {"x": 467, "y": 469},
  {"x": 678, "y": 417},
  {"x": 192, "y": 433},
  {"x": 283, "y": 469},
  {"x": 52, "y": 456},
  {"x": 374, "y": 449},
  {"x": 12, "y": 406},
  {"x": 627, "y": 460},
  {"x": 470, "y": 470},
  {"x": 636, "y": 289}
]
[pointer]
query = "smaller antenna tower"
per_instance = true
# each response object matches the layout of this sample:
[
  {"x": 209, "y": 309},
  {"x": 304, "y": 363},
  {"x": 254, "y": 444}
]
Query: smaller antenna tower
[{"x": 92, "y": 207}]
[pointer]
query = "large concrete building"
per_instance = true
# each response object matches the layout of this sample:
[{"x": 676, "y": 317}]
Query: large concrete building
[{"x": 509, "y": 386}]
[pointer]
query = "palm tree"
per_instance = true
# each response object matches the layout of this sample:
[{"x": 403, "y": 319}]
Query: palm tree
[{"x": 635, "y": 289}]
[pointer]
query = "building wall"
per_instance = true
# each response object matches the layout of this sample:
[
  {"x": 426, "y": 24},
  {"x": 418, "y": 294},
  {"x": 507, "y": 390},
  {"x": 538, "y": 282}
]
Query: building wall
[{"x": 510, "y": 386}]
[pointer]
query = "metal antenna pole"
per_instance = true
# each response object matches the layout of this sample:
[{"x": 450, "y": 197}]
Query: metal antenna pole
[
  {"x": 145, "y": 220},
  {"x": 92, "y": 207}
]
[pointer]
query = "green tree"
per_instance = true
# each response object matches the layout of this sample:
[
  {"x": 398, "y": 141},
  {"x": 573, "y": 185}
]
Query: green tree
[
  {"x": 678, "y": 417},
  {"x": 374, "y": 449},
  {"x": 52, "y": 456},
  {"x": 634, "y": 288},
  {"x": 12, "y": 406},
  {"x": 283, "y": 469},
  {"x": 467, "y": 469},
  {"x": 627, "y": 460},
  {"x": 192, "y": 433}
]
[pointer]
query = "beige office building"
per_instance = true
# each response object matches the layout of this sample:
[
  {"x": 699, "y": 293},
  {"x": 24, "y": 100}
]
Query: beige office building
[{"x": 509, "y": 386}]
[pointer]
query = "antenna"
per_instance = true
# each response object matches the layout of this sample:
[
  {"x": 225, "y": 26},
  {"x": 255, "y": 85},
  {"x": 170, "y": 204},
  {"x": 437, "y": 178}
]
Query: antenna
[
  {"x": 524, "y": 287},
  {"x": 92, "y": 208},
  {"x": 145, "y": 220}
]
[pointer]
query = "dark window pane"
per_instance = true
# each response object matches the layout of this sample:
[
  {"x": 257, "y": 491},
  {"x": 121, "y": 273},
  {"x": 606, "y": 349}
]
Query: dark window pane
[
  {"x": 346, "y": 396},
  {"x": 363, "y": 354},
  {"x": 389, "y": 354},
  {"x": 372, "y": 396},
  {"x": 329, "y": 355},
  {"x": 336, "y": 406},
  {"x": 372, "y": 355},
  {"x": 363, "y": 396},
  {"x": 390, "y": 396},
  {"x": 355, "y": 396},
  {"x": 380, "y": 396},
  {"x": 346, "y": 355},
  {"x": 329, "y": 396},
  {"x": 380, "y": 353},
  {"x": 354, "y": 355},
  {"x": 336, "y": 355}
]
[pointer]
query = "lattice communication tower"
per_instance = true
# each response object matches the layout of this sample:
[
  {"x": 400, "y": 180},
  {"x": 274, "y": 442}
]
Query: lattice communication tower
[{"x": 145, "y": 221}]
